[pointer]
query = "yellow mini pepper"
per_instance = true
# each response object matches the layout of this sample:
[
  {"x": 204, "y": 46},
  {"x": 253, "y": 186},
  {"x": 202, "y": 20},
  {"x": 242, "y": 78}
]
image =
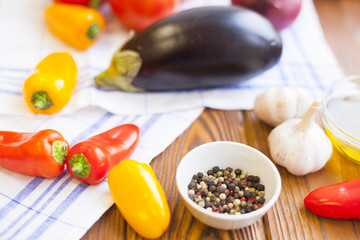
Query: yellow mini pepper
[
  {"x": 50, "y": 88},
  {"x": 140, "y": 197},
  {"x": 76, "y": 25}
]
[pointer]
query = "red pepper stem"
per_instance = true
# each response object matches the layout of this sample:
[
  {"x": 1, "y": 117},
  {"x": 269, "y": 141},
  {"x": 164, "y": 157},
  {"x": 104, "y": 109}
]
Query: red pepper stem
[
  {"x": 94, "y": 4},
  {"x": 41, "y": 100},
  {"x": 79, "y": 165},
  {"x": 59, "y": 151}
]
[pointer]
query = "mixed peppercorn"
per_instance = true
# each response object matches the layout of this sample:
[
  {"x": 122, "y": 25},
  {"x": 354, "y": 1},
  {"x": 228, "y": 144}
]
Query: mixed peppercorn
[{"x": 227, "y": 191}]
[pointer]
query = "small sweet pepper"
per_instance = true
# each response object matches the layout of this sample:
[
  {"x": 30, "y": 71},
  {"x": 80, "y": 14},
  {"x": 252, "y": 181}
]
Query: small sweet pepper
[
  {"x": 76, "y": 25},
  {"x": 50, "y": 88},
  {"x": 140, "y": 197}
]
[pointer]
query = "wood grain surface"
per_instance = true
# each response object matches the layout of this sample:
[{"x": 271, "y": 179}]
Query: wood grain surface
[{"x": 288, "y": 219}]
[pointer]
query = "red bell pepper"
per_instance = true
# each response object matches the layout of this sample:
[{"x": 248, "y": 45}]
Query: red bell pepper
[
  {"x": 91, "y": 160},
  {"x": 37, "y": 154},
  {"x": 341, "y": 200}
]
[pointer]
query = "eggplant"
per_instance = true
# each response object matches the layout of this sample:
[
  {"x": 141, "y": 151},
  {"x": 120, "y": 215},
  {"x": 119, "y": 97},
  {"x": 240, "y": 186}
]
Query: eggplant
[{"x": 203, "y": 47}]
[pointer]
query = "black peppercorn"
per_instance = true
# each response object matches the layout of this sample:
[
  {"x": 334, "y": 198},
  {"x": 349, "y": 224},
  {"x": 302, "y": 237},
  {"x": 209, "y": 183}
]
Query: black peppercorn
[
  {"x": 192, "y": 185},
  {"x": 247, "y": 209},
  {"x": 238, "y": 171},
  {"x": 247, "y": 194},
  {"x": 210, "y": 182},
  {"x": 227, "y": 191},
  {"x": 216, "y": 169},
  {"x": 261, "y": 187},
  {"x": 204, "y": 192},
  {"x": 230, "y": 199},
  {"x": 212, "y": 188}
]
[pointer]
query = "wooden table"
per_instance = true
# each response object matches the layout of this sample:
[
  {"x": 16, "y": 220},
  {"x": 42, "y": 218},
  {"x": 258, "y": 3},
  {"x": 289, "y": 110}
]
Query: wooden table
[{"x": 288, "y": 218}]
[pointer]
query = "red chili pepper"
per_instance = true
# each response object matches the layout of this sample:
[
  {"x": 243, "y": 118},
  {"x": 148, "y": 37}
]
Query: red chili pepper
[
  {"x": 91, "y": 160},
  {"x": 38, "y": 154},
  {"x": 341, "y": 200}
]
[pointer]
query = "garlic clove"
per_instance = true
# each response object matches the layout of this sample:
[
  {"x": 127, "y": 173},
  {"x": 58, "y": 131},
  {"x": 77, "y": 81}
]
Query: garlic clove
[
  {"x": 300, "y": 145},
  {"x": 276, "y": 105}
]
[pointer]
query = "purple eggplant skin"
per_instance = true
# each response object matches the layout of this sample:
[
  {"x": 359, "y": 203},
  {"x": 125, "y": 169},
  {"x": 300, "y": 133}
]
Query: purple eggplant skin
[{"x": 202, "y": 47}]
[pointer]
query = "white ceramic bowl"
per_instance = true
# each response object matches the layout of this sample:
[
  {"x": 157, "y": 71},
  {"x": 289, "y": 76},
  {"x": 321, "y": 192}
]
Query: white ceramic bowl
[{"x": 228, "y": 154}]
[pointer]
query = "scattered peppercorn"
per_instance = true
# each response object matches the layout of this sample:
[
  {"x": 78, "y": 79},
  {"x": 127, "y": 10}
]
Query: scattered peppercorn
[{"x": 227, "y": 191}]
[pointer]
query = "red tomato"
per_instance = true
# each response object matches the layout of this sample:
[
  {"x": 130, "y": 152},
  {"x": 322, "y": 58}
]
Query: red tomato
[
  {"x": 281, "y": 13},
  {"x": 138, "y": 14}
]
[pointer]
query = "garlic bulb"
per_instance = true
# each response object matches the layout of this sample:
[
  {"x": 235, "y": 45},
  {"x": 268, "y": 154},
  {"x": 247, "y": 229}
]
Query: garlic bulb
[
  {"x": 276, "y": 105},
  {"x": 300, "y": 145}
]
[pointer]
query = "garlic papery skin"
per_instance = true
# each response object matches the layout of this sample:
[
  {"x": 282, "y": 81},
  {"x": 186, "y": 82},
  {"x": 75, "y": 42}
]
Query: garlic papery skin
[
  {"x": 300, "y": 145},
  {"x": 276, "y": 105}
]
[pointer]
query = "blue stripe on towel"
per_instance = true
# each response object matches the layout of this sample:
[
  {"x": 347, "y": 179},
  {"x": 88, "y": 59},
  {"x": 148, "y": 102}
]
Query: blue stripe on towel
[{"x": 24, "y": 193}]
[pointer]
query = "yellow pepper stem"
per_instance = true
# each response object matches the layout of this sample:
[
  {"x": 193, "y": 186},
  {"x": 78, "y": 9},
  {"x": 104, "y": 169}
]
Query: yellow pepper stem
[
  {"x": 94, "y": 31},
  {"x": 41, "y": 100}
]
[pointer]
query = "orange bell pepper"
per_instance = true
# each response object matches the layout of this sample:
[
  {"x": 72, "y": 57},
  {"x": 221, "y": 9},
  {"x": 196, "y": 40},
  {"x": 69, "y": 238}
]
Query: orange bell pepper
[
  {"x": 50, "y": 88},
  {"x": 140, "y": 198},
  {"x": 76, "y": 25}
]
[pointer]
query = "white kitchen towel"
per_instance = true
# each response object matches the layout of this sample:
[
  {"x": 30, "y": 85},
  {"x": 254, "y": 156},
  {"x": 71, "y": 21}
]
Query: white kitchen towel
[
  {"x": 306, "y": 62},
  {"x": 63, "y": 207}
]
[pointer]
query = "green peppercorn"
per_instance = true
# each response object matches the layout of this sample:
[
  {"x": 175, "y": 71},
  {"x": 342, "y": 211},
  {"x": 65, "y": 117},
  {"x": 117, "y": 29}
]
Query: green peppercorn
[
  {"x": 241, "y": 193},
  {"x": 226, "y": 173}
]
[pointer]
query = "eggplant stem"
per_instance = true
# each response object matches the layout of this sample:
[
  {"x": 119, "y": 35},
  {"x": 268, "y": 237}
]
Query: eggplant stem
[{"x": 124, "y": 67}]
